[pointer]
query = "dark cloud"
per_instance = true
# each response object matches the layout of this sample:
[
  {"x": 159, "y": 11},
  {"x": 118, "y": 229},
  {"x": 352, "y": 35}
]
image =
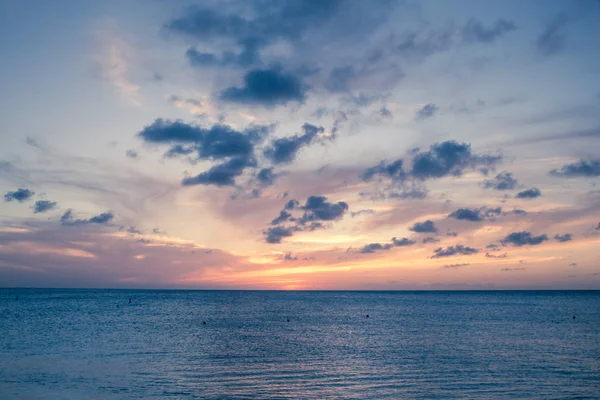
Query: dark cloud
[
  {"x": 284, "y": 150},
  {"x": 402, "y": 242},
  {"x": 552, "y": 40},
  {"x": 563, "y": 238},
  {"x": 475, "y": 214},
  {"x": 220, "y": 142},
  {"x": 317, "y": 208},
  {"x": 393, "y": 170},
  {"x": 273, "y": 20},
  {"x": 430, "y": 239},
  {"x": 424, "y": 227},
  {"x": 283, "y": 217},
  {"x": 217, "y": 142},
  {"x": 582, "y": 168},
  {"x": 448, "y": 158},
  {"x": 221, "y": 174},
  {"x": 529, "y": 194},
  {"x": 474, "y": 31},
  {"x": 288, "y": 257},
  {"x": 41, "y": 206},
  {"x": 452, "y": 234},
  {"x": 276, "y": 233},
  {"x": 373, "y": 247},
  {"x": 131, "y": 154},
  {"x": 292, "y": 204},
  {"x": 428, "y": 111},
  {"x": 19, "y": 195},
  {"x": 267, "y": 87},
  {"x": 502, "y": 181},
  {"x": 522, "y": 239},
  {"x": 67, "y": 219},
  {"x": 449, "y": 251},
  {"x": 266, "y": 177},
  {"x": 598, "y": 227},
  {"x": 315, "y": 212}
]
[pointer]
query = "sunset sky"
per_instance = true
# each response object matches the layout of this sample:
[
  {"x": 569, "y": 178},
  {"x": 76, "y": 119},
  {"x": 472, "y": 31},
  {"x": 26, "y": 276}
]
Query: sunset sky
[{"x": 269, "y": 144}]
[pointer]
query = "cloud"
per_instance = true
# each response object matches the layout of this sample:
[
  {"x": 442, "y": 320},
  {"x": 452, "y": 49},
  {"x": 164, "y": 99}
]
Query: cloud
[
  {"x": 523, "y": 238},
  {"x": 424, "y": 44},
  {"x": 216, "y": 142},
  {"x": 430, "y": 239},
  {"x": 249, "y": 55},
  {"x": 402, "y": 242},
  {"x": 384, "y": 112},
  {"x": 489, "y": 255},
  {"x": 449, "y": 251},
  {"x": 427, "y": 226},
  {"x": 512, "y": 269},
  {"x": 114, "y": 63},
  {"x": 266, "y": 177},
  {"x": 552, "y": 40},
  {"x": 362, "y": 212},
  {"x": 67, "y": 219},
  {"x": 268, "y": 88},
  {"x": 475, "y": 214},
  {"x": 317, "y": 208},
  {"x": 219, "y": 142},
  {"x": 283, "y": 217},
  {"x": 474, "y": 31},
  {"x": 582, "y": 168},
  {"x": 276, "y": 233},
  {"x": 448, "y": 158},
  {"x": 272, "y": 21},
  {"x": 598, "y": 227},
  {"x": 339, "y": 79},
  {"x": 373, "y": 247},
  {"x": 288, "y": 257},
  {"x": 428, "y": 111},
  {"x": 502, "y": 181},
  {"x": 284, "y": 150},
  {"x": 529, "y": 194},
  {"x": 392, "y": 170},
  {"x": 223, "y": 174},
  {"x": 563, "y": 238},
  {"x": 41, "y": 206},
  {"x": 455, "y": 265},
  {"x": 131, "y": 154},
  {"x": 19, "y": 195},
  {"x": 315, "y": 212}
]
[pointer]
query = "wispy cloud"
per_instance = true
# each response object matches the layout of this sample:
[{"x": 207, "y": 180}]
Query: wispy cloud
[{"x": 113, "y": 61}]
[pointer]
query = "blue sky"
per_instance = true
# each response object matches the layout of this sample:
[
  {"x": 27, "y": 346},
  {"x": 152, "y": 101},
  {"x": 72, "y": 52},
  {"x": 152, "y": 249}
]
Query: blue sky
[{"x": 300, "y": 144}]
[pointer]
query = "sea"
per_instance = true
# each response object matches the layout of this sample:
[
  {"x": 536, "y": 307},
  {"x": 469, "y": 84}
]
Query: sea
[{"x": 193, "y": 344}]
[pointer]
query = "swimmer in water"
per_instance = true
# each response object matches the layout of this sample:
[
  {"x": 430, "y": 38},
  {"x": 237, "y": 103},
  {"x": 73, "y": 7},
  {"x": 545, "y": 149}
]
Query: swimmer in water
[
  {"x": 367, "y": 316},
  {"x": 203, "y": 322}
]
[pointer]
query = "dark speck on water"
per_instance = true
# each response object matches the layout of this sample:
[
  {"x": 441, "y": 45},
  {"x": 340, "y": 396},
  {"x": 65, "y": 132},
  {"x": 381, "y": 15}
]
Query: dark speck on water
[{"x": 70, "y": 344}]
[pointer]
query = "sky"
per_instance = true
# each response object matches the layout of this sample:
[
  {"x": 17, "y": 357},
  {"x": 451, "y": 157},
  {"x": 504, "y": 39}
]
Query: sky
[{"x": 318, "y": 144}]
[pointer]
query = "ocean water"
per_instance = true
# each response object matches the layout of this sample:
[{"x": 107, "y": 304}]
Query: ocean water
[{"x": 93, "y": 344}]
